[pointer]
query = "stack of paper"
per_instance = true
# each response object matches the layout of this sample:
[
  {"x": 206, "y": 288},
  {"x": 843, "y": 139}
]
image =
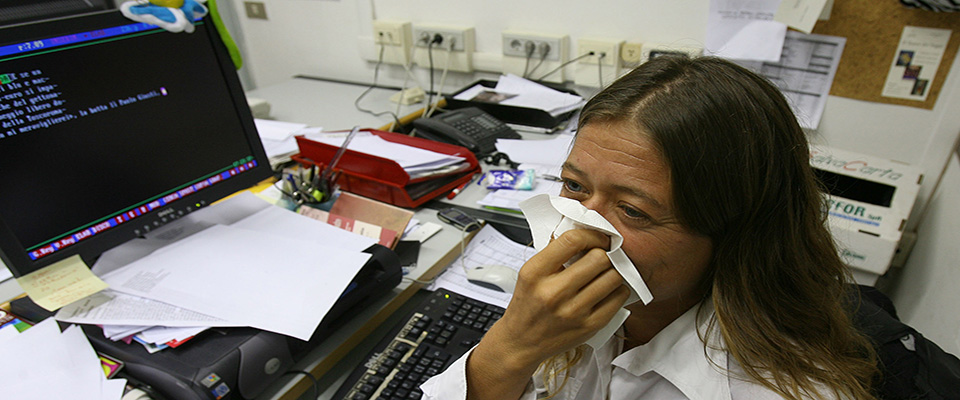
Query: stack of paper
[
  {"x": 278, "y": 140},
  {"x": 415, "y": 161},
  {"x": 512, "y": 90},
  {"x": 42, "y": 363},
  {"x": 242, "y": 262}
]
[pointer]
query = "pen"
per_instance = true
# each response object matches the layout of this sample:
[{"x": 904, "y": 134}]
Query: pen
[
  {"x": 458, "y": 189},
  {"x": 328, "y": 171},
  {"x": 552, "y": 178},
  {"x": 327, "y": 177}
]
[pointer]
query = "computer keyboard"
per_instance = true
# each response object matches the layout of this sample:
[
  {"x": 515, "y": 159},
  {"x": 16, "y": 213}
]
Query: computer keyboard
[{"x": 441, "y": 329}]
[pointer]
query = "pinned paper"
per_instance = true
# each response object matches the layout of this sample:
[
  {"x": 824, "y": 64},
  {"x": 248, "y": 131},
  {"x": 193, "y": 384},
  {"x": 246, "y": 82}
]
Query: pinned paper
[
  {"x": 61, "y": 283},
  {"x": 801, "y": 15},
  {"x": 550, "y": 216},
  {"x": 744, "y": 30}
]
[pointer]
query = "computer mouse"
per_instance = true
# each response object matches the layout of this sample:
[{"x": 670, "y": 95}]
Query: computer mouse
[{"x": 497, "y": 277}]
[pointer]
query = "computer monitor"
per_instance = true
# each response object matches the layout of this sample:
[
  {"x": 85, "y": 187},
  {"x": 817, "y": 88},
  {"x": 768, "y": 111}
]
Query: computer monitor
[{"x": 110, "y": 128}]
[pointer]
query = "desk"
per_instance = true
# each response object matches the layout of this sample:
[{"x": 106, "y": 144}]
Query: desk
[{"x": 329, "y": 104}]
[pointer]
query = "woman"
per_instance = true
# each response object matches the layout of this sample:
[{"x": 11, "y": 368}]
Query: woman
[{"x": 703, "y": 169}]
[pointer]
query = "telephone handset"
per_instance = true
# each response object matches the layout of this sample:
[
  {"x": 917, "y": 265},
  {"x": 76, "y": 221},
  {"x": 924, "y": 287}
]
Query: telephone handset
[{"x": 469, "y": 127}]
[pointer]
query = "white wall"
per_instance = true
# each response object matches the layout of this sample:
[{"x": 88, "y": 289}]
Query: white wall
[
  {"x": 926, "y": 293},
  {"x": 332, "y": 39}
]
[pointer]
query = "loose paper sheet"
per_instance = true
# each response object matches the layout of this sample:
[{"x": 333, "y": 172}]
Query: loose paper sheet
[
  {"x": 805, "y": 73},
  {"x": 744, "y": 30},
  {"x": 114, "y": 308},
  {"x": 801, "y": 15},
  {"x": 277, "y": 283},
  {"x": 43, "y": 363}
]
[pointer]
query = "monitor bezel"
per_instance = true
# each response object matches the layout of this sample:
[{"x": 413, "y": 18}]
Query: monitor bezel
[{"x": 12, "y": 251}]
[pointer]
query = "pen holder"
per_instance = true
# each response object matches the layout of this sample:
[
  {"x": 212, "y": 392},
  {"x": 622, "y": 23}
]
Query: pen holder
[{"x": 384, "y": 179}]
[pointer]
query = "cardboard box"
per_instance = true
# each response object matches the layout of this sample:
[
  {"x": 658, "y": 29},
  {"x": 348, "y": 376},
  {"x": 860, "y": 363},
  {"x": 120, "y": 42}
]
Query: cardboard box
[{"x": 870, "y": 200}]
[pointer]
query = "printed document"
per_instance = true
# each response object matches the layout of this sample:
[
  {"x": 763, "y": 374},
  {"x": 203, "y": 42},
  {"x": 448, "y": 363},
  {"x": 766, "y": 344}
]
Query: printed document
[
  {"x": 110, "y": 307},
  {"x": 805, "y": 73},
  {"x": 744, "y": 30},
  {"x": 266, "y": 281}
]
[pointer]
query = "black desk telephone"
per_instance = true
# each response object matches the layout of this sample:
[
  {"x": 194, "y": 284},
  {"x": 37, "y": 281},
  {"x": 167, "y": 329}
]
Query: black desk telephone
[{"x": 469, "y": 127}]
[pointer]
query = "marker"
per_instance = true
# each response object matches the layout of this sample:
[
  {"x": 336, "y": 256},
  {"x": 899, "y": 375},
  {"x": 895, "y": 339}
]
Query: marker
[{"x": 458, "y": 189}]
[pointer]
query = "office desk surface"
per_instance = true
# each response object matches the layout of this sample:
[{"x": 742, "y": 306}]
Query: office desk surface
[{"x": 329, "y": 104}]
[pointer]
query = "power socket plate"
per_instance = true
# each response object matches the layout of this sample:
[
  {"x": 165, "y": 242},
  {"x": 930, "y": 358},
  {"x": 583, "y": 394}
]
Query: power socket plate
[
  {"x": 609, "y": 48},
  {"x": 464, "y": 45},
  {"x": 631, "y": 54},
  {"x": 396, "y": 39},
  {"x": 514, "y": 60},
  {"x": 594, "y": 71},
  {"x": 653, "y": 50},
  {"x": 462, "y": 38},
  {"x": 515, "y": 44}
]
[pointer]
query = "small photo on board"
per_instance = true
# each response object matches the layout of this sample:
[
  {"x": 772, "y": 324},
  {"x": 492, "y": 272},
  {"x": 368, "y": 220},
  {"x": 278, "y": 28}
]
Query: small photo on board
[
  {"x": 919, "y": 87},
  {"x": 912, "y": 72},
  {"x": 904, "y": 58}
]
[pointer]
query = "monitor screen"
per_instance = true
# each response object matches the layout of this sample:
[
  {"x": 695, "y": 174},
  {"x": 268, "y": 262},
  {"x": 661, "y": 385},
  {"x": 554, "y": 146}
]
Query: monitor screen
[{"x": 110, "y": 128}]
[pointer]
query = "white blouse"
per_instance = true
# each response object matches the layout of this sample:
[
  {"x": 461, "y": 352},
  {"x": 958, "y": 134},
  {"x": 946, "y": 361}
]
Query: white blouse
[{"x": 673, "y": 365}]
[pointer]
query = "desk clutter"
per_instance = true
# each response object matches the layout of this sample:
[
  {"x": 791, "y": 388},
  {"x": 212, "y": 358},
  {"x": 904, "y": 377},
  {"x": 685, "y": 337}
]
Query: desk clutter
[
  {"x": 516, "y": 100},
  {"x": 202, "y": 320},
  {"x": 390, "y": 167}
]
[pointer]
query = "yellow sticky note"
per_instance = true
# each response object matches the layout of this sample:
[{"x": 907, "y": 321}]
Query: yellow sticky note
[{"x": 61, "y": 283}]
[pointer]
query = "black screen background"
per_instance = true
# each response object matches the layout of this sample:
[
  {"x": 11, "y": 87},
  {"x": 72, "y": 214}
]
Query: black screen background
[{"x": 54, "y": 180}]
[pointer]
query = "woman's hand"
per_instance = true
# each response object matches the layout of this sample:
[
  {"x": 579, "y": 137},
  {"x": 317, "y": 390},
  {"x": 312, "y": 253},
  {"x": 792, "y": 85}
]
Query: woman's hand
[{"x": 553, "y": 309}]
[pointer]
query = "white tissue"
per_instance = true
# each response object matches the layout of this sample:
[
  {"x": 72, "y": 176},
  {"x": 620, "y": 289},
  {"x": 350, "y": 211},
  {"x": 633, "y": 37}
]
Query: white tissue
[{"x": 550, "y": 216}]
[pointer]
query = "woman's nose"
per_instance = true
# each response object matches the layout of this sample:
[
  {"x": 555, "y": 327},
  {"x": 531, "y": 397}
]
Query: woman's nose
[{"x": 594, "y": 203}]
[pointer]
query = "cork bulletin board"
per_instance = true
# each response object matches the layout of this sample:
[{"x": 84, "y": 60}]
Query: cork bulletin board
[{"x": 873, "y": 29}]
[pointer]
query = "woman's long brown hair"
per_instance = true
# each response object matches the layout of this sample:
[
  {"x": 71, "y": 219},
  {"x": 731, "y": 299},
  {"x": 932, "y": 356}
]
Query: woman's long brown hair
[{"x": 740, "y": 172}]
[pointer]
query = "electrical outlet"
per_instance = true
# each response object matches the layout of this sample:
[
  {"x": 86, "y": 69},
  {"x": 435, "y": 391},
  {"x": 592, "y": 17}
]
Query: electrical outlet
[
  {"x": 255, "y": 9},
  {"x": 653, "y": 50},
  {"x": 517, "y": 44},
  {"x": 631, "y": 54},
  {"x": 424, "y": 35},
  {"x": 395, "y": 40},
  {"x": 517, "y": 59},
  {"x": 601, "y": 66},
  {"x": 604, "y": 51},
  {"x": 460, "y": 42}
]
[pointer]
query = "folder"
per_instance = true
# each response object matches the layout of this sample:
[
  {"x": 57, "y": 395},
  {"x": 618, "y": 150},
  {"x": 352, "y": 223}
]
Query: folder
[{"x": 384, "y": 179}]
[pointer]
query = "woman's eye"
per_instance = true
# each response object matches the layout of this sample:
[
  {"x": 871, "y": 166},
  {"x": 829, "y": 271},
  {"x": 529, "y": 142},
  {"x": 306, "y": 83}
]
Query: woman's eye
[
  {"x": 572, "y": 186},
  {"x": 633, "y": 213}
]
